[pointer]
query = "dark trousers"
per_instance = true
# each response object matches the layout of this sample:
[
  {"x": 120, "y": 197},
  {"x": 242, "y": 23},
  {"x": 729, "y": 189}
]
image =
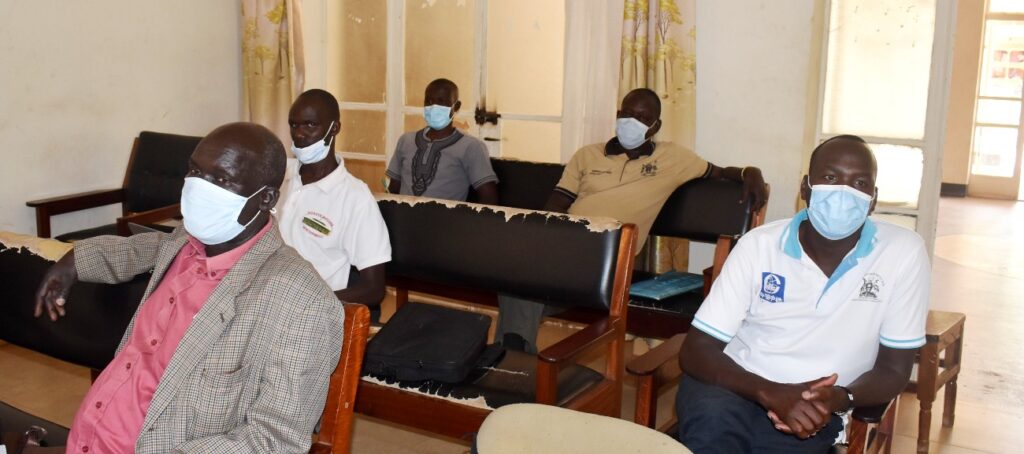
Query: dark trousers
[{"x": 715, "y": 420}]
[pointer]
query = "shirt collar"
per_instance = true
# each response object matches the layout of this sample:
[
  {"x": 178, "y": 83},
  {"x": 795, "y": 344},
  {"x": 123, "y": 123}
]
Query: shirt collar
[
  {"x": 217, "y": 266},
  {"x": 790, "y": 240},
  {"x": 612, "y": 148},
  {"x": 327, "y": 183}
]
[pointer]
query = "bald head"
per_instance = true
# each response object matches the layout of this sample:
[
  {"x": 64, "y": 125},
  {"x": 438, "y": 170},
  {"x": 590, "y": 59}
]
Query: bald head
[{"x": 241, "y": 157}]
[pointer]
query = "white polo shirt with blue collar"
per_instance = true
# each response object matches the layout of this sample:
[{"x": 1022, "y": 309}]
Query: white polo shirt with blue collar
[{"x": 787, "y": 322}]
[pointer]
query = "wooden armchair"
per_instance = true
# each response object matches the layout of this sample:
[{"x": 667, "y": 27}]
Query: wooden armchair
[
  {"x": 336, "y": 423},
  {"x": 703, "y": 211},
  {"x": 870, "y": 429},
  {"x": 150, "y": 193},
  {"x": 556, "y": 259}
]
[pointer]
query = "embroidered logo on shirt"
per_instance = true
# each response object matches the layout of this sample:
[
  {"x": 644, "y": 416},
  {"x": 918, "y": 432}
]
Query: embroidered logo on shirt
[
  {"x": 649, "y": 169},
  {"x": 870, "y": 288},
  {"x": 773, "y": 288},
  {"x": 317, "y": 224}
]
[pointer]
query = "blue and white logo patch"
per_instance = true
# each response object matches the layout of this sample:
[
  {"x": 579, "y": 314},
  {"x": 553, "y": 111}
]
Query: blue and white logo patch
[{"x": 773, "y": 288}]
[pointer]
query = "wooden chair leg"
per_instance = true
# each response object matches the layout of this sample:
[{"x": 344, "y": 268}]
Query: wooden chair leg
[
  {"x": 927, "y": 372},
  {"x": 646, "y": 402},
  {"x": 949, "y": 402}
]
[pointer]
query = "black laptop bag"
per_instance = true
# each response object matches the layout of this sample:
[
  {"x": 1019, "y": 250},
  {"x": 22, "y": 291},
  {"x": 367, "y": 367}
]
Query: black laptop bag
[{"x": 427, "y": 342}]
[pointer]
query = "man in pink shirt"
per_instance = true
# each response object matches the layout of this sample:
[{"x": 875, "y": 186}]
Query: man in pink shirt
[{"x": 232, "y": 347}]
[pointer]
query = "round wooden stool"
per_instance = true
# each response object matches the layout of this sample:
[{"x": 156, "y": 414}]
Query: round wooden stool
[{"x": 943, "y": 333}]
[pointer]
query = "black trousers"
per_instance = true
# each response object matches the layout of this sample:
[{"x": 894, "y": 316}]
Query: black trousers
[{"x": 715, "y": 420}]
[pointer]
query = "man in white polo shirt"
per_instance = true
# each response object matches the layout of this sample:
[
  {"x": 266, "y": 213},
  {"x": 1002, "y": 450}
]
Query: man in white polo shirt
[
  {"x": 810, "y": 316},
  {"x": 329, "y": 216}
]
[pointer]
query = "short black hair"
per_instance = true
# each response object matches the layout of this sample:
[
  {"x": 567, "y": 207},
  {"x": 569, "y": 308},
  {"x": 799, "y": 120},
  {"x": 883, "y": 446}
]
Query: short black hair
[
  {"x": 445, "y": 84},
  {"x": 648, "y": 96},
  {"x": 330, "y": 103},
  {"x": 272, "y": 159}
]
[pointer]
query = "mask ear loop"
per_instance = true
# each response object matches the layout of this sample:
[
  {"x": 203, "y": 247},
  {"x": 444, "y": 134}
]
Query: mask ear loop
[
  {"x": 257, "y": 211},
  {"x": 328, "y": 135}
]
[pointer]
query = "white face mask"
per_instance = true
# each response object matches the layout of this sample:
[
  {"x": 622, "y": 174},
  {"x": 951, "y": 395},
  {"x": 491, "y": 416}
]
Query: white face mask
[
  {"x": 211, "y": 212},
  {"x": 316, "y": 151},
  {"x": 631, "y": 132}
]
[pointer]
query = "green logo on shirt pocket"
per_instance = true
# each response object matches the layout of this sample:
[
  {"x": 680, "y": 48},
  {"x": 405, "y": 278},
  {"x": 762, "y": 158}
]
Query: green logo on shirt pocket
[{"x": 316, "y": 225}]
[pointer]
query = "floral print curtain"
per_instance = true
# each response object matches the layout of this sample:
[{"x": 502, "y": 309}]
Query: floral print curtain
[{"x": 272, "y": 65}]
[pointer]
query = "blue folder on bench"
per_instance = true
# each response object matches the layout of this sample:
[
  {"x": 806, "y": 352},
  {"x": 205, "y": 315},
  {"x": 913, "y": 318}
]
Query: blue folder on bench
[{"x": 666, "y": 285}]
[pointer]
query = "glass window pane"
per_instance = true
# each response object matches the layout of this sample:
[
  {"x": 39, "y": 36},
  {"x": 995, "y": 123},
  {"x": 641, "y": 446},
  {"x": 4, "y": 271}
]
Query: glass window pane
[
  {"x": 995, "y": 151},
  {"x": 364, "y": 36},
  {"x": 1005, "y": 6},
  {"x": 362, "y": 131},
  {"x": 538, "y": 141},
  {"x": 439, "y": 42},
  {"x": 879, "y": 60},
  {"x": 999, "y": 112},
  {"x": 1002, "y": 71},
  {"x": 899, "y": 174},
  {"x": 525, "y": 52},
  {"x": 907, "y": 221}
]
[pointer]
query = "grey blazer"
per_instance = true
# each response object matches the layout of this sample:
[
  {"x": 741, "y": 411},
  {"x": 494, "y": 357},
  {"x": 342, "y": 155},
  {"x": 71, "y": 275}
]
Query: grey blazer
[{"x": 252, "y": 370}]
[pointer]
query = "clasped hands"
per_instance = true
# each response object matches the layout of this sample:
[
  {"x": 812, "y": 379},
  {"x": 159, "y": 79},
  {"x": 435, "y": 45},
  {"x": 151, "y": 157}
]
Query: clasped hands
[{"x": 802, "y": 409}]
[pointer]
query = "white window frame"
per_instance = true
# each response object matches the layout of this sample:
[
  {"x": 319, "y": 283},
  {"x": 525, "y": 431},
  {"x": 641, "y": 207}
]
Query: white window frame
[{"x": 926, "y": 213}]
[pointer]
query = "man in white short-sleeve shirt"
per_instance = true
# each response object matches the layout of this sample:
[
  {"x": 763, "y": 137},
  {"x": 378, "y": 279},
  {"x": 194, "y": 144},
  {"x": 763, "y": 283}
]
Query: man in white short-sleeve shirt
[
  {"x": 810, "y": 316},
  {"x": 329, "y": 216}
]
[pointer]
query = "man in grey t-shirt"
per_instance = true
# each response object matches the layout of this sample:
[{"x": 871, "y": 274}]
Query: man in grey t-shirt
[{"x": 439, "y": 161}]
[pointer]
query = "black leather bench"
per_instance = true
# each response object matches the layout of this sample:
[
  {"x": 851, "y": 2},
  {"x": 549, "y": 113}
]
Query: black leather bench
[
  {"x": 561, "y": 260},
  {"x": 702, "y": 210}
]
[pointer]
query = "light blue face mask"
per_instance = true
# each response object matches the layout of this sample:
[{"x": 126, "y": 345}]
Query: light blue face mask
[
  {"x": 836, "y": 211},
  {"x": 314, "y": 152},
  {"x": 211, "y": 212},
  {"x": 438, "y": 117},
  {"x": 631, "y": 132}
]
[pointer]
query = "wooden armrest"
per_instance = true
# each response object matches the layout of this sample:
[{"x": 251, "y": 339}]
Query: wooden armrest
[
  {"x": 148, "y": 217},
  {"x": 871, "y": 415},
  {"x": 570, "y": 348},
  {"x": 321, "y": 448},
  {"x": 80, "y": 201},
  {"x": 649, "y": 362}
]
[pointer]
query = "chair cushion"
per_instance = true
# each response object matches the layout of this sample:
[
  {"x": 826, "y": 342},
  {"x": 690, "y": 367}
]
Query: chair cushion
[
  {"x": 512, "y": 380},
  {"x": 97, "y": 316},
  {"x": 157, "y": 171},
  {"x": 15, "y": 420}
]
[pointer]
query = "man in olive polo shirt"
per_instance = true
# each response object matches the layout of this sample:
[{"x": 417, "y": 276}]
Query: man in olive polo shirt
[{"x": 628, "y": 178}]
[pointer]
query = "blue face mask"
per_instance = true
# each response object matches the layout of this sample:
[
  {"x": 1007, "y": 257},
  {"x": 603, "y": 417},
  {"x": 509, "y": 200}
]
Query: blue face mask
[
  {"x": 631, "y": 132},
  {"x": 438, "y": 117},
  {"x": 836, "y": 211},
  {"x": 314, "y": 152}
]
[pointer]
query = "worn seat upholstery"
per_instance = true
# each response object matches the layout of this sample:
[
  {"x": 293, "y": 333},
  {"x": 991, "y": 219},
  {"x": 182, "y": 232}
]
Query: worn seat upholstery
[
  {"x": 151, "y": 190},
  {"x": 561, "y": 260}
]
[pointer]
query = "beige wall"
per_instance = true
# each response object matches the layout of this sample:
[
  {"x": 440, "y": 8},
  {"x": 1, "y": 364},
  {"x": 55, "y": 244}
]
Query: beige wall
[
  {"x": 80, "y": 79},
  {"x": 960, "y": 117}
]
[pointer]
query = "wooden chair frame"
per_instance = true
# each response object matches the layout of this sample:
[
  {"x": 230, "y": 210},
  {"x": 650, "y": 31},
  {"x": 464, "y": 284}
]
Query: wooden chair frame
[
  {"x": 49, "y": 207},
  {"x": 453, "y": 419},
  {"x": 335, "y": 435}
]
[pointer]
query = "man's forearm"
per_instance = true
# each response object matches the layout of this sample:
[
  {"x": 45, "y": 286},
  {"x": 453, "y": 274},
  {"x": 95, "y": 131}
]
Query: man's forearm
[
  {"x": 885, "y": 380},
  {"x": 707, "y": 362}
]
